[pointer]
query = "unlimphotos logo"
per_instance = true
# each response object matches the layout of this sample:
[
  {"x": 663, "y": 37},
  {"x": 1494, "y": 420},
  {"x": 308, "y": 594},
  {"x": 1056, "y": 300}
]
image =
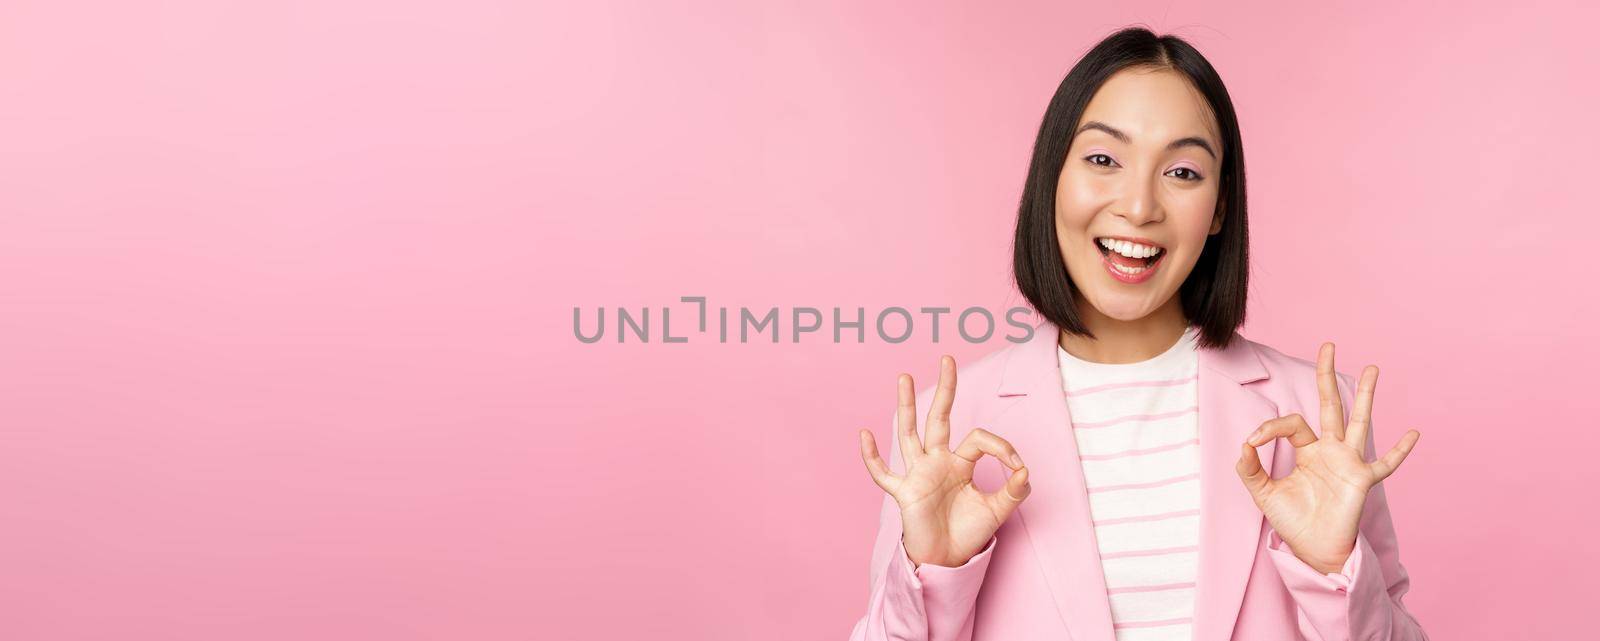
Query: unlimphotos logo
[{"x": 890, "y": 324}]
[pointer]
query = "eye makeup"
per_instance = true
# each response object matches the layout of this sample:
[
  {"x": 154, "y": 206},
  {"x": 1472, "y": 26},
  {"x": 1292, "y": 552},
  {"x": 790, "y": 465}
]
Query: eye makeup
[{"x": 1198, "y": 175}]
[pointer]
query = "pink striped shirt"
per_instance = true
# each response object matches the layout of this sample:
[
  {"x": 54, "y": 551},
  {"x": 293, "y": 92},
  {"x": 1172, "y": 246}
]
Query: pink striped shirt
[{"x": 1137, "y": 429}]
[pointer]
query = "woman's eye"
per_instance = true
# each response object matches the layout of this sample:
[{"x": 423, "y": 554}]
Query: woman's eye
[
  {"x": 1102, "y": 160},
  {"x": 1109, "y": 162},
  {"x": 1192, "y": 175}
]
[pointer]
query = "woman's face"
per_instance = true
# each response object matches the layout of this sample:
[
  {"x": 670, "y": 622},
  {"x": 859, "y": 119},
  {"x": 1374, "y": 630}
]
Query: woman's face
[{"x": 1143, "y": 167}]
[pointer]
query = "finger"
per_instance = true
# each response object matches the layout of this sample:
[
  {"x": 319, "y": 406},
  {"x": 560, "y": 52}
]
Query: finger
[
  {"x": 943, "y": 398},
  {"x": 1256, "y": 479},
  {"x": 1332, "y": 423},
  {"x": 876, "y": 466},
  {"x": 1005, "y": 500},
  {"x": 1292, "y": 427},
  {"x": 1361, "y": 414},
  {"x": 1391, "y": 460},
  {"x": 980, "y": 441},
  {"x": 905, "y": 422}
]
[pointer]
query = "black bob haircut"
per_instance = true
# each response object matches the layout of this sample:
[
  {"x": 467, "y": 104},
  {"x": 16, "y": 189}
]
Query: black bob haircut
[{"x": 1213, "y": 295}]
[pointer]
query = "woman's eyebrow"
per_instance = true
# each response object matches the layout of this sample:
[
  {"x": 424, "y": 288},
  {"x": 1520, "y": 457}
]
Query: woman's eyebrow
[{"x": 1191, "y": 141}]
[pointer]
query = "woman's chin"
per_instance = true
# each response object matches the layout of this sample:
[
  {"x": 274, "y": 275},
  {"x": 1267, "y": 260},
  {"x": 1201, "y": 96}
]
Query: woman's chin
[{"x": 1123, "y": 309}]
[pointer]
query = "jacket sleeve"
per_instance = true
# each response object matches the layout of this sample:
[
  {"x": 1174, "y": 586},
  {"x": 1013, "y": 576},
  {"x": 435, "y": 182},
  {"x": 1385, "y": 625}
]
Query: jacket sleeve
[
  {"x": 1361, "y": 602},
  {"x": 907, "y": 603}
]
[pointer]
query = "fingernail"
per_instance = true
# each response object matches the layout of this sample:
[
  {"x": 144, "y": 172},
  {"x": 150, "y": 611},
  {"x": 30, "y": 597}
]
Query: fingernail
[
  {"x": 1254, "y": 435},
  {"x": 1016, "y": 459}
]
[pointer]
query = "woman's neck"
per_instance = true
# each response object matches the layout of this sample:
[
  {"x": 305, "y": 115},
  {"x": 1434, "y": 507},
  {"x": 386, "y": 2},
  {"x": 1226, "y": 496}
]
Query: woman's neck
[{"x": 1119, "y": 341}]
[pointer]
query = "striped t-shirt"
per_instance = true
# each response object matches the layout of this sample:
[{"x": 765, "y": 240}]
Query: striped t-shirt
[{"x": 1137, "y": 429}]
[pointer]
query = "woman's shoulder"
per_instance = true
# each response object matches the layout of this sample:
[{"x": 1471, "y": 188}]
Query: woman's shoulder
[
  {"x": 1292, "y": 372},
  {"x": 981, "y": 373},
  {"x": 977, "y": 379}
]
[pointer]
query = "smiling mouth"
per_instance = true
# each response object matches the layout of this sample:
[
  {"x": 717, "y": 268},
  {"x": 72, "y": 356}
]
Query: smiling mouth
[{"x": 1127, "y": 261}]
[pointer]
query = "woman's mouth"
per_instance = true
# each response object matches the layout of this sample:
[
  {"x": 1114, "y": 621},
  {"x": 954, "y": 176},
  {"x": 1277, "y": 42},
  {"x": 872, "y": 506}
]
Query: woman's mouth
[{"x": 1129, "y": 269}]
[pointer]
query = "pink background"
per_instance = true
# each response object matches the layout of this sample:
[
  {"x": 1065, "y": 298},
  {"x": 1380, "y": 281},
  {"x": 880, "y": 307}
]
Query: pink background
[{"x": 288, "y": 286}]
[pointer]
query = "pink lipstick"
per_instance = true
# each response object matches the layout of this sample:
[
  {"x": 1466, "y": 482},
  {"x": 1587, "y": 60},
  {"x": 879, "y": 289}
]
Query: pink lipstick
[{"x": 1129, "y": 270}]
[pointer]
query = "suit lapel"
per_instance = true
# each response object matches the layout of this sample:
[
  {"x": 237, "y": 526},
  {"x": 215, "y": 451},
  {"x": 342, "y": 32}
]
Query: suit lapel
[
  {"x": 1056, "y": 517},
  {"x": 1230, "y": 522}
]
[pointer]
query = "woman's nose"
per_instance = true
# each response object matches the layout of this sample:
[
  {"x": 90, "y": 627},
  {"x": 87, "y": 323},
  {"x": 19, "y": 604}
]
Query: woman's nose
[{"x": 1138, "y": 202}]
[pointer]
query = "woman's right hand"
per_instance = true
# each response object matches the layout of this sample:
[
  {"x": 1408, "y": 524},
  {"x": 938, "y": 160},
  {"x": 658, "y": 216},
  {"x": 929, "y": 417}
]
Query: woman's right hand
[{"x": 946, "y": 519}]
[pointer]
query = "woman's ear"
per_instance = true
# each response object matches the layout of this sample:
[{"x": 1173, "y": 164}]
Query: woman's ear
[{"x": 1216, "y": 220}]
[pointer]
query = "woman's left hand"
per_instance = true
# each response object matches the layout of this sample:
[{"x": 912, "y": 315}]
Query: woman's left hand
[{"x": 1316, "y": 509}]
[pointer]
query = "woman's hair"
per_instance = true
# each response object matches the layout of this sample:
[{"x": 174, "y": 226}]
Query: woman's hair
[{"x": 1213, "y": 295}]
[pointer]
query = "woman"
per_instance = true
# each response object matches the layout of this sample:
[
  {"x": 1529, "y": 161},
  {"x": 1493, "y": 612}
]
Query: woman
[{"x": 1145, "y": 509}]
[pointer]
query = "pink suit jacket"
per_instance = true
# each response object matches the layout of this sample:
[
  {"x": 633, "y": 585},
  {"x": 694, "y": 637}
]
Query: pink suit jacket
[{"x": 1040, "y": 576}]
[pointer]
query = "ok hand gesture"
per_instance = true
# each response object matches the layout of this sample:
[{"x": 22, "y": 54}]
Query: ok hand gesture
[
  {"x": 1316, "y": 508},
  {"x": 946, "y": 520}
]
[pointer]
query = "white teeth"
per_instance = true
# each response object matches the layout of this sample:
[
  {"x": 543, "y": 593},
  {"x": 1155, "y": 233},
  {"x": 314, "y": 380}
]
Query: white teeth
[{"x": 1131, "y": 250}]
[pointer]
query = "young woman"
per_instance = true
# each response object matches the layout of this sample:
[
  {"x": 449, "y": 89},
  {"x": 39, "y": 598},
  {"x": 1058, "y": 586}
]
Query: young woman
[{"x": 1173, "y": 488}]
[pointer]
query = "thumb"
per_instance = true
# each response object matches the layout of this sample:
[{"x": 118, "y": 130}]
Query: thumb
[{"x": 1009, "y": 497}]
